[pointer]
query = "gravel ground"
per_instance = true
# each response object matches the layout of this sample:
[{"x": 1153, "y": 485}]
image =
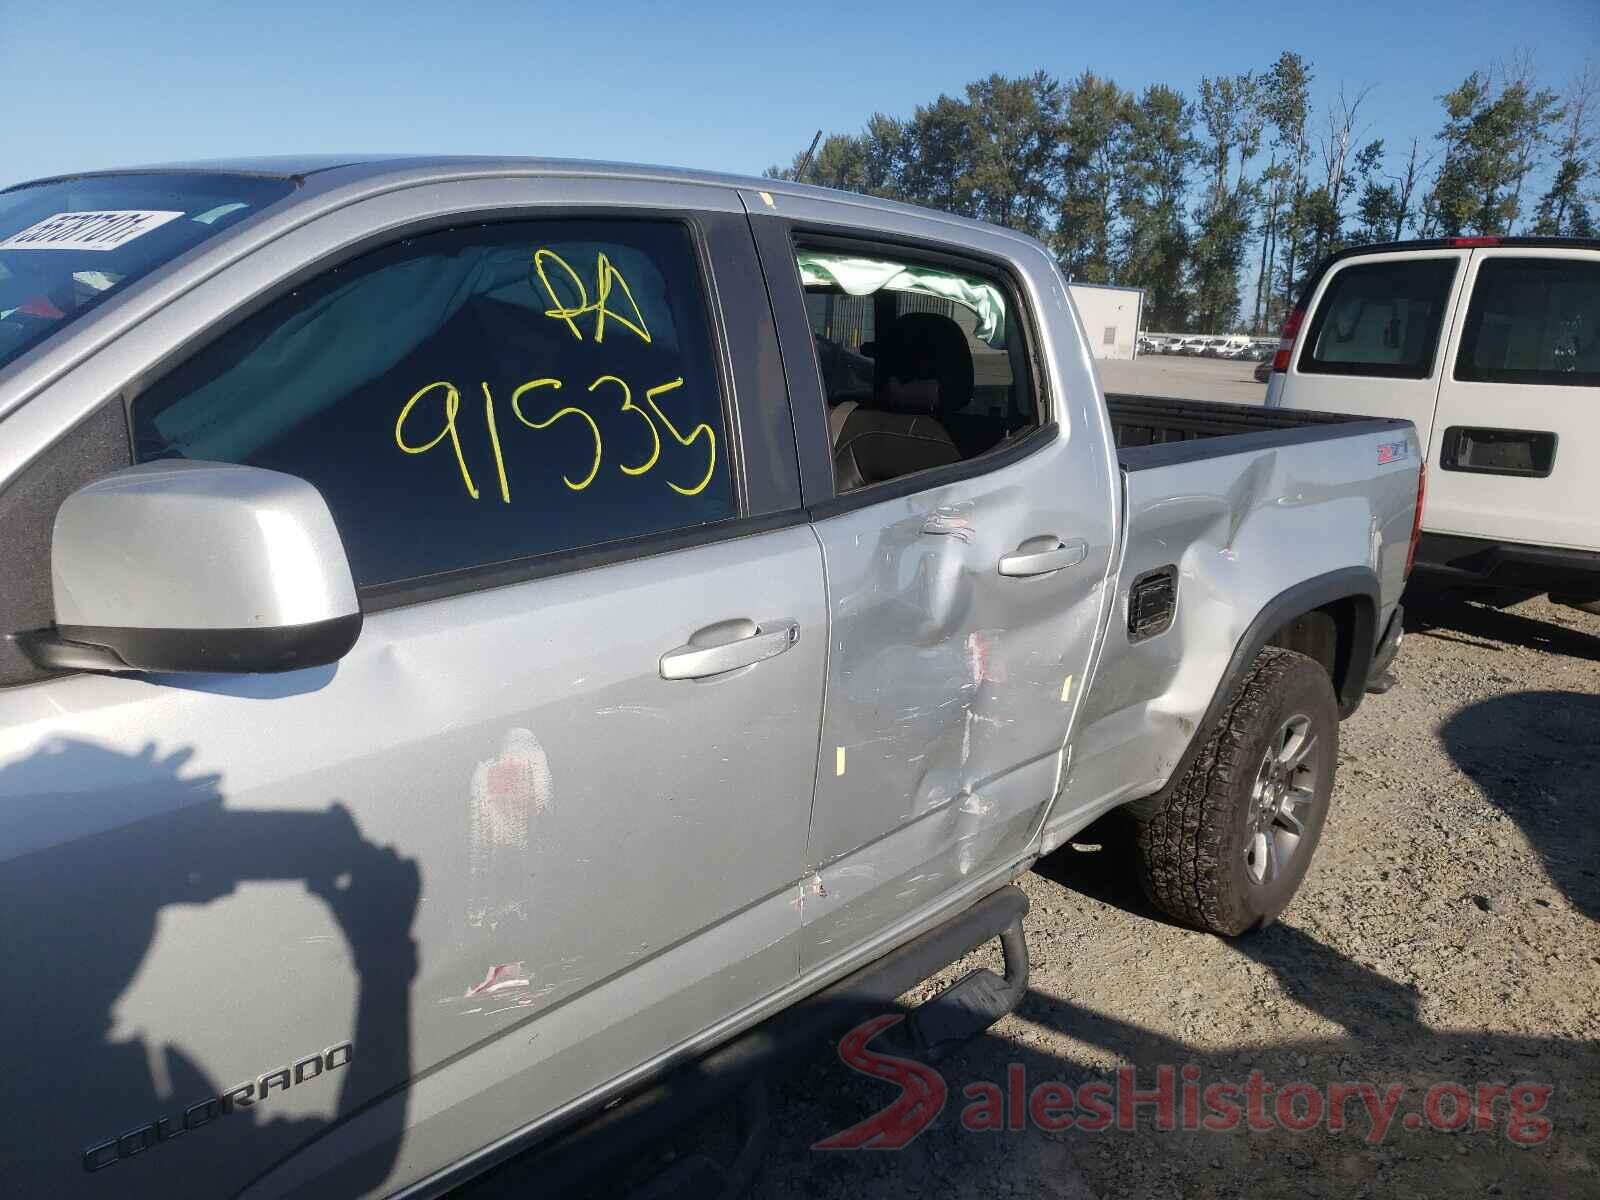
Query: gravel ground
[{"x": 1449, "y": 933}]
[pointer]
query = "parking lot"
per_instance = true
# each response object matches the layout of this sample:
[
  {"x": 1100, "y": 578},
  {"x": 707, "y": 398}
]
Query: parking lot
[
  {"x": 598, "y": 626},
  {"x": 1221, "y": 380}
]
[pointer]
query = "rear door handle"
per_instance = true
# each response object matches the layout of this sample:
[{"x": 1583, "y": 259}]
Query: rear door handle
[
  {"x": 1041, "y": 555},
  {"x": 727, "y": 646}
]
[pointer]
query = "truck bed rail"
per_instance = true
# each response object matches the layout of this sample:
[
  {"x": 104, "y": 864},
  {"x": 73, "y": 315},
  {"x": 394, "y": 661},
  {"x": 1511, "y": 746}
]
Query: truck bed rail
[{"x": 1155, "y": 431}]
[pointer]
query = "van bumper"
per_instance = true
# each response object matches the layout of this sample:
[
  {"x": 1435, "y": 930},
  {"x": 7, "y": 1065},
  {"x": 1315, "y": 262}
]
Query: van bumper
[{"x": 1444, "y": 560}]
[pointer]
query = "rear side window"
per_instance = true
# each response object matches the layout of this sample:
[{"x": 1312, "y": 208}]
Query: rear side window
[
  {"x": 474, "y": 396},
  {"x": 1380, "y": 319},
  {"x": 1533, "y": 320},
  {"x": 923, "y": 364}
]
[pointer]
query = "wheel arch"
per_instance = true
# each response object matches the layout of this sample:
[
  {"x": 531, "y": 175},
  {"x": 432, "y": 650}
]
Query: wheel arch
[{"x": 1331, "y": 618}]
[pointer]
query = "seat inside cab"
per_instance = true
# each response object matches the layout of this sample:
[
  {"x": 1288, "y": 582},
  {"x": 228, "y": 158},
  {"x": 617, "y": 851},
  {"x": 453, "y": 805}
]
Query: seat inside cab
[{"x": 922, "y": 366}]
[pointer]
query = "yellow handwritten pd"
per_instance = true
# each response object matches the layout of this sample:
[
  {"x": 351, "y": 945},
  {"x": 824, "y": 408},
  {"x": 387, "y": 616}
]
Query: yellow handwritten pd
[{"x": 607, "y": 277}]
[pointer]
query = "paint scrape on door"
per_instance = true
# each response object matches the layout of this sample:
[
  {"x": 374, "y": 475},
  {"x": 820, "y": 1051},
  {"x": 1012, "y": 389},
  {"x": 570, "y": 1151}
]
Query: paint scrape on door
[{"x": 509, "y": 793}]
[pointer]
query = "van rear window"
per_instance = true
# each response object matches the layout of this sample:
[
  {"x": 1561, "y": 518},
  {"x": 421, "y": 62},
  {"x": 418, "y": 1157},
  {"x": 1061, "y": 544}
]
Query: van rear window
[
  {"x": 1533, "y": 320},
  {"x": 1380, "y": 318}
]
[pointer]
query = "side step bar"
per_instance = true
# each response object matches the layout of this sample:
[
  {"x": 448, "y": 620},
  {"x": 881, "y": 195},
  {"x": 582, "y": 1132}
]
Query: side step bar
[
  {"x": 944, "y": 1023},
  {"x": 936, "y": 1028}
]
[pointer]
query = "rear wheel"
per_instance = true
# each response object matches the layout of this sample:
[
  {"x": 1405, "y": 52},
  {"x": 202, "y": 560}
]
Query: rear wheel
[{"x": 1226, "y": 850}]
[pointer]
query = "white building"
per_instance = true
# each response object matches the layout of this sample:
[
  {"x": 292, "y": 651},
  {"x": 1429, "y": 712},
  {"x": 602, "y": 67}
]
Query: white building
[{"x": 1110, "y": 315}]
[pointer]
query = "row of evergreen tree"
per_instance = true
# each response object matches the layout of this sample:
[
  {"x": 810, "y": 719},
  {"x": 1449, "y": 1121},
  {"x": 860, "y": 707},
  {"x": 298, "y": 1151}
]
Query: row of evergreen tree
[{"x": 1238, "y": 191}]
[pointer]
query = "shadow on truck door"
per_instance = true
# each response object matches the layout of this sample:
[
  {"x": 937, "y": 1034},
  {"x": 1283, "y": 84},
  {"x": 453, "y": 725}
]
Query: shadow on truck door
[{"x": 100, "y": 848}]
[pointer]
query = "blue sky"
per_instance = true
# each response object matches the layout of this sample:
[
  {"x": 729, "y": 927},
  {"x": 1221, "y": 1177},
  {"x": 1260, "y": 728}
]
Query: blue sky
[{"x": 719, "y": 85}]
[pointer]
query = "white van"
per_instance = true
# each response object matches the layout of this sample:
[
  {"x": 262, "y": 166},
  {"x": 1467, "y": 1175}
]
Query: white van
[{"x": 1491, "y": 346}]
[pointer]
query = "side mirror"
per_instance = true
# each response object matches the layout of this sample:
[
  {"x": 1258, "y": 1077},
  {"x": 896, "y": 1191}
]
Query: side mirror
[{"x": 178, "y": 566}]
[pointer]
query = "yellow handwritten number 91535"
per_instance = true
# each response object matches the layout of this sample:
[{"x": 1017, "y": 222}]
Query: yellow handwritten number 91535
[
  {"x": 651, "y": 415},
  {"x": 655, "y": 434}
]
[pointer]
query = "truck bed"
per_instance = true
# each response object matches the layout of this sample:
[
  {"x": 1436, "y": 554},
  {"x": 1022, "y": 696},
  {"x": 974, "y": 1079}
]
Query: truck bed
[
  {"x": 1227, "y": 505},
  {"x": 1154, "y": 431}
]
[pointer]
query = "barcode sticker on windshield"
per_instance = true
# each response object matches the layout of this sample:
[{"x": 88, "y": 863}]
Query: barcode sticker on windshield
[{"x": 103, "y": 230}]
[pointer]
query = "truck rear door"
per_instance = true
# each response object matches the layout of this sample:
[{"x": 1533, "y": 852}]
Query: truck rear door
[
  {"x": 1516, "y": 441},
  {"x": 955, "y": 460}
]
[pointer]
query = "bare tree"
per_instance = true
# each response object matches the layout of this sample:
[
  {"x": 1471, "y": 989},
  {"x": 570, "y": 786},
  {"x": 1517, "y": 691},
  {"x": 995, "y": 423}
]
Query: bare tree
[
  {"x": 1532, "y": 120},
  {"x": 1272, "y": 178},
  {"x": 1335, "y": 145},
  {"x": 1562, "y": 209},
  {"x": 1406, "y": 186}
]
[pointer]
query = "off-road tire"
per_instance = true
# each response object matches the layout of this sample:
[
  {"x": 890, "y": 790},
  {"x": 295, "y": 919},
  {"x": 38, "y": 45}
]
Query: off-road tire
[{"x": 1192, "y": 843}]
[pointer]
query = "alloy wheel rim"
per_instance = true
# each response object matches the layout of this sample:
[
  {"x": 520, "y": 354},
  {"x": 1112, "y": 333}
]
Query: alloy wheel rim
[{"x": 1282, "y": 800}]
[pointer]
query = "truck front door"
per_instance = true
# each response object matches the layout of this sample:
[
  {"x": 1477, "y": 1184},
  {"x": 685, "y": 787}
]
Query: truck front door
[{"x": 337, "y": 928}]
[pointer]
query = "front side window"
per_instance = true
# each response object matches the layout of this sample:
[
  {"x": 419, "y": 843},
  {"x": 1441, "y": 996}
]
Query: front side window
[
  {"x": 1533, "y": 320},
  {"x": 66, "y": 246},
  {"x": 922, "y": 365},
  {"x": 1380, "y": 318},
  {"x": 473, "y": 396}
]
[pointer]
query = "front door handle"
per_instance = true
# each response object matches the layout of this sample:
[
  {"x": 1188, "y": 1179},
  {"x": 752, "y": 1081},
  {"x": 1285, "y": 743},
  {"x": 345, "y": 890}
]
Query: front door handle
[
  {"x": 1042, "y": 555},
  {"x": 727, "y": 646}
]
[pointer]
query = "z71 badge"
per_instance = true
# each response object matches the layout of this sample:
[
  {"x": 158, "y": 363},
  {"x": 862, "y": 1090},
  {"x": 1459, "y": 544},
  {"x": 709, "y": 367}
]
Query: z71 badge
[
  {"x": 251, "y": 1092},
  {"x": 1391, "y": 452}
]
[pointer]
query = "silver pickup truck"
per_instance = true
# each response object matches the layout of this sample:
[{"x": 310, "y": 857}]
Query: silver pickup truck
[{"x": 497, "y": 649}]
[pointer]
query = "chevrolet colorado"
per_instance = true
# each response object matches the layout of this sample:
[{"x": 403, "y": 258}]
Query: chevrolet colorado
[{"x": 496, "y": 647}]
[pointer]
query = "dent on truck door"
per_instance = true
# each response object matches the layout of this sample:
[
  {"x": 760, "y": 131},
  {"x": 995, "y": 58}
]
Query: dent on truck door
[
  {"x": 964, "y": 614},
  {"x": 333, "y": 929}
]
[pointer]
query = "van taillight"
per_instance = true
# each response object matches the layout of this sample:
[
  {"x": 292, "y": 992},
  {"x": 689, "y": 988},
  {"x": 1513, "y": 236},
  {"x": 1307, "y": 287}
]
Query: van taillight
[
  {"x": 1467, "y": 243},
  {"x": 1291, "y": 328},
  {"x": 1416, "y": 519}
]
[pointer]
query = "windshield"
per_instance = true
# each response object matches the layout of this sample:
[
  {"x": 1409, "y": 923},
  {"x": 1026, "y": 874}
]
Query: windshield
[{"x": 66, "y": 246}]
